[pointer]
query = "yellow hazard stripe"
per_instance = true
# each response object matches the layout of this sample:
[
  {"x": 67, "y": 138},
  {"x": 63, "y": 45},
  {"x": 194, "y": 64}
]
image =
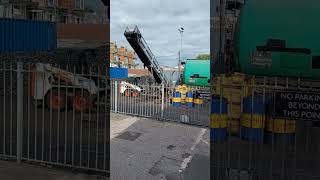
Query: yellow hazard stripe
[
  {"x": 176, "y": 99},
  {"x": 219, "y": 121},
  {"x": 252, "y": 120},
  {"x": 190, "y": 100},
  {"x": 198, "y": 101},
  {"x": 281, "y": 126}
]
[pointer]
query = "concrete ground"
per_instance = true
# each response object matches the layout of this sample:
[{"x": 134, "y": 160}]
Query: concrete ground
[
  {"x": 141, "y": 149},
  {"x": 13, "y": 171},
  {"x": 146, "y": 149}
]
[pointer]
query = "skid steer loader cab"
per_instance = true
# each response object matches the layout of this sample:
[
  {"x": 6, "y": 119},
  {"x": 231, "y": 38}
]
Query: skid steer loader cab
[
  {"x": 60, "y": 89},
  {"x": 128, "y": 89}
]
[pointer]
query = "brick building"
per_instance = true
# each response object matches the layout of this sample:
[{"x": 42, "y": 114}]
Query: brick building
[{"x": 122, "y": 56}]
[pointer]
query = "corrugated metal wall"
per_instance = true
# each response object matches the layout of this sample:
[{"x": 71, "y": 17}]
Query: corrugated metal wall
[
  {"x": 118, "y": 72},
  {"x": 26, "y": 35}
]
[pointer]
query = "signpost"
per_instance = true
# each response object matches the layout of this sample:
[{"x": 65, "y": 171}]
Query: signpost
[{"x": 297, "y": 105}]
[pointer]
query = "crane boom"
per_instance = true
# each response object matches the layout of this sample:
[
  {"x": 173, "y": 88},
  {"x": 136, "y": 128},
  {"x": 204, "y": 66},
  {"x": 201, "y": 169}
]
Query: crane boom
[{"x": 140, "y": 46}]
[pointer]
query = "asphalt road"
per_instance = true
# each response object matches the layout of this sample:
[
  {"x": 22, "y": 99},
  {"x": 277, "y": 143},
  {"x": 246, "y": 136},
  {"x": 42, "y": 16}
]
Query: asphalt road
[{"x": 147, "y": 149}]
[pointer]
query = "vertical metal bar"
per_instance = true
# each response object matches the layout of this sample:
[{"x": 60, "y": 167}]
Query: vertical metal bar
[
  {"x": 105, "y": 140},
  {"x": 66, "y": 123},
  {"x": 130, "y": 101},
  {"x": 11, "y": 107},
  {"x": 81, "y": 121},
  {"x": 123, "y": 103},
  {"x": 273, "y": 145},
  {"x": 89, "y": 129},
  {"x": 141, "y": 99},
  {"x": 97, "y": 130},
  {"x": 155, "y": 91},
  {"x": 148, "y": 102},
  {"x": 263, "y": 125},
  {"x": 29, "y": 94},
  {"x": 42, "y": 138},
  {"x": 19, "y": 110},
  {"x": 50, "y": 125},
  {"x": 135, "y": 103},
  {"x": 121, "y": 100},
  {"x": 36, "y": 115},
  {"x": 4, "y": 107},
  {"x": 251, "y": 150},
  {"x": 73, "y": 117},
  {"x": 58, "y": 121},
  {"x": 143, "y": 104},
  {"x": 115, "y": 97}
]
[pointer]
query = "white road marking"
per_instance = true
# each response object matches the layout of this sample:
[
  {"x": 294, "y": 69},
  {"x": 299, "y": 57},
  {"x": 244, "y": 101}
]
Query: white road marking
[
  {"x": 206, "y": 142},
  {"x": 187, "y": 160}
]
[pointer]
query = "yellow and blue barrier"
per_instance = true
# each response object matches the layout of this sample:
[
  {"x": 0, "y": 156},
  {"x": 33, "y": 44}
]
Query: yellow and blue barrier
[
  {"x": 198, "y": 101},
  {"x": 218, "y": 119},
  {"x": 176, "y": 100},
  {"x": 280, "y": 131},
  {"x": 189, "y": 99},
  {"x": 252, "y": 121}
]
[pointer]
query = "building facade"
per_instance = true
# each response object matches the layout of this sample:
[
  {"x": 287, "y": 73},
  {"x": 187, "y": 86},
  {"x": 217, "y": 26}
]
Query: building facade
[
  {"x": 61, "y": 11},
  {"x": 122, "y": 56}
]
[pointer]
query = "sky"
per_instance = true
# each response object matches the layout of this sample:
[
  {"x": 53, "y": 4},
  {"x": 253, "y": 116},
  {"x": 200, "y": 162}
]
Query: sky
[{"x": 159, "y": 21}]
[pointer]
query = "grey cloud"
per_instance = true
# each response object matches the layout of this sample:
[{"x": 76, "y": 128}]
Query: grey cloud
[{"x": 159, "y": 20}]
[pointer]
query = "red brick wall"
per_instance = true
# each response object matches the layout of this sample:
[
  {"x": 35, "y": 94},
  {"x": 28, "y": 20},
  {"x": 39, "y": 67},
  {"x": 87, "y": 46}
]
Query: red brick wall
[
  {"x": 66, "y": 4},
  {"x": 87, "y": 32}
]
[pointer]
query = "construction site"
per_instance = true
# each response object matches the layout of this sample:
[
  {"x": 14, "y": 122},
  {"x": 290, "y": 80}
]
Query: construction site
[
  {"x": 147, "y": 103},
  {"x": 76, "y": 104},
  {"x": 159, "y": 111}
]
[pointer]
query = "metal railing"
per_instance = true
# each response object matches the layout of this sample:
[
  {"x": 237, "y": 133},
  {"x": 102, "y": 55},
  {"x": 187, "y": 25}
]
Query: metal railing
[
  {"x": 260, "y": 139},
  {"x": 156, "y": 101},
  {"x": 52, "y": 117}
]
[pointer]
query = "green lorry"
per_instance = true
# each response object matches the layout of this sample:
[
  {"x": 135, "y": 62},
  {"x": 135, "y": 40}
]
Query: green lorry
[
  {"x": 197, "y": 72},
  {"x": 278, "y": 38}
]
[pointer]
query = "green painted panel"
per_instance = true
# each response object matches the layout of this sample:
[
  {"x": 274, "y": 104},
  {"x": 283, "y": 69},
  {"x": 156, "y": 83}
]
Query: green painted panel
[
  {"x": 291, "y": 20},
  {"x": 197, "y": 72}
]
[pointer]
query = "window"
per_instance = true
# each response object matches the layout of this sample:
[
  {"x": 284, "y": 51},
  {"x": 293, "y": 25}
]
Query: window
[
  {"x": 78, "y": 4},
  {"x": 63, "y": 19},
  {"x": 51, "y": 18},
  {"x": 2, "y": 10},
  {"x": 77, "y": 20},
  {"x": 50, "y": 3}
]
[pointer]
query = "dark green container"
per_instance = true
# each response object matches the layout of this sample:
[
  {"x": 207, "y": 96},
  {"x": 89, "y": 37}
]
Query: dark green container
[
  {"x": 281, "y": 33},
  {"x": 197, "y": 72}
]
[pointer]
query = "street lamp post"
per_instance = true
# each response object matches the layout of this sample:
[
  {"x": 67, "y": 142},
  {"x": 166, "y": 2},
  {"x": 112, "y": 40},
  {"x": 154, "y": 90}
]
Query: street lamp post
[{"x": 181, "y": 30}]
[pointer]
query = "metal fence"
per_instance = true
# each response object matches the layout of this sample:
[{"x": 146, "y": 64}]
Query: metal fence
[
  {"x": 55, "y": 117},
  {"x": 156, "y": 101},
  {"x": 265, "y": 128}
]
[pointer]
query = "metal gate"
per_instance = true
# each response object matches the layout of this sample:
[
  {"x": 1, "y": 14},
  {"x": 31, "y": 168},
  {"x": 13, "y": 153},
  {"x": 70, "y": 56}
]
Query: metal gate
[
  {"x": 159, "y": 102},
  {"x": 55, "y": 126},
  {"x": 265, "y": 128}
]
